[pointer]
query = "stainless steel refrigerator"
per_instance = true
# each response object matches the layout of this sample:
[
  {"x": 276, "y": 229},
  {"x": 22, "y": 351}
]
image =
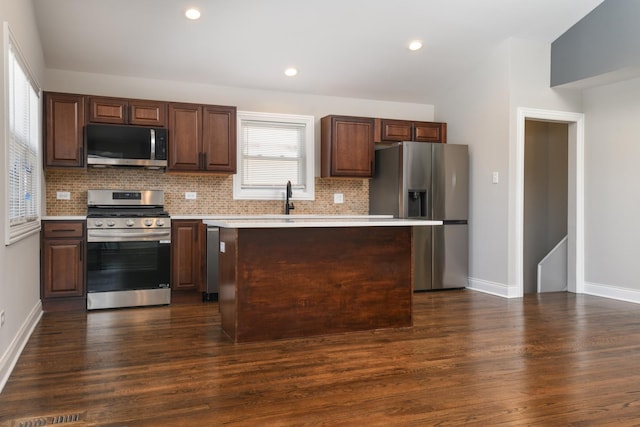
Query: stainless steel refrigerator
[{"x": 430, "y": 181}]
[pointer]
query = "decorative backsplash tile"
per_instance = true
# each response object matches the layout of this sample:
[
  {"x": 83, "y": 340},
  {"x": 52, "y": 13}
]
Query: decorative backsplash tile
[{"x": 214, "y": 193}]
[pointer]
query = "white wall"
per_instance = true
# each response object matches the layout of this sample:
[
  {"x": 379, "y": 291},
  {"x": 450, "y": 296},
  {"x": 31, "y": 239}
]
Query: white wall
[
  {"x": 476, "y": 110},
  {"x": 244, "y": 99},
  {"x": 612, "y": 190},
  {"x": 19, "y": 263},
  {"x": 481, "y": 111}
]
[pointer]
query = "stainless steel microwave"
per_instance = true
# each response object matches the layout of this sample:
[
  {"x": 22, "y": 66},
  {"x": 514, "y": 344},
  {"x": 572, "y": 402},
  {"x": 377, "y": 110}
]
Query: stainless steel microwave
[{"x": 122, "y": 145}]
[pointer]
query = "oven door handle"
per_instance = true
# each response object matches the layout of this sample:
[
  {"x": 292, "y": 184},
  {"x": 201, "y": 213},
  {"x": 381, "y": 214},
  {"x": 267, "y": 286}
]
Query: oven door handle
[{"x": 156, "y": 235}]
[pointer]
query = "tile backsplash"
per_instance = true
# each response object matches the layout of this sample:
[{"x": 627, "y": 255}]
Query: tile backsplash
[{"x": 214, "y": 193}]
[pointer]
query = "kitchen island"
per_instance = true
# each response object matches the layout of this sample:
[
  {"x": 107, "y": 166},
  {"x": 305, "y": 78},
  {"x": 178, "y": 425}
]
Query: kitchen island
[{"x": 284, "y": 277}]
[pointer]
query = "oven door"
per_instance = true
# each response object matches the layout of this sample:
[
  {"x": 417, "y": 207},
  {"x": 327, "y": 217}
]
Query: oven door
[{"x": 128, "y": 268}]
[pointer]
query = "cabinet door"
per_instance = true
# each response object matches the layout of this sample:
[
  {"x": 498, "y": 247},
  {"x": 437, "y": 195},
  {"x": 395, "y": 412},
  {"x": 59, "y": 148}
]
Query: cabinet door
[
  {"x": 347, "y": 146},
  {"x": 62, "y": 268},
  {"x": 107, "y": 110},
  {"x": 185, "y": 137},
  {"x": 397, "y": 130},
  {"x": 219, "y": 138},
  {"x": 430, "y": 132},
  {"x": 187, "y": 255},
  {"x": 65, "y": 119},
  {"x": 147, "y": 113}
]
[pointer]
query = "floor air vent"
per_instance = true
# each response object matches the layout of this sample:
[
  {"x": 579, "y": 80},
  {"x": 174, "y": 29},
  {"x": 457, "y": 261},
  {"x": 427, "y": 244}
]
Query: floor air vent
[{"x": 48, "y": 421}]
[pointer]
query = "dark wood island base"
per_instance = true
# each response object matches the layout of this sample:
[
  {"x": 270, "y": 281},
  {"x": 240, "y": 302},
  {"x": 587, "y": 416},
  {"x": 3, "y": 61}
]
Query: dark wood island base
[{"x": 293, "y": 282}]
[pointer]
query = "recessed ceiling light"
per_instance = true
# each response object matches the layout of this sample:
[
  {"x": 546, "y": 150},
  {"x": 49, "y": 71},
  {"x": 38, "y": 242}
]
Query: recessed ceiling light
[
  {"x": 291, "y": 72},
  {"x": 415, "y": 45},
  {"x": 192, "y": 14}
]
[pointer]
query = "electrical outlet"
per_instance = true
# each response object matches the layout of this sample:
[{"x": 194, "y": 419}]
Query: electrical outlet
[
  {"x": 495, "y": 177},
  {"x": 63, "y": 195},
  {"x": 338, "y": 198},
  {"x": 190, "y": 195},
  {"x": 1, "y": 318}
]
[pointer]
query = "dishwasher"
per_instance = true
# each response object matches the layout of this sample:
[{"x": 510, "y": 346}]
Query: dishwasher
[{"x": 213, "y": 246}]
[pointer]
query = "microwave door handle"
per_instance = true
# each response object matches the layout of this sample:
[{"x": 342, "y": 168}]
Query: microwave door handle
[{"x": 153, "y": 144}]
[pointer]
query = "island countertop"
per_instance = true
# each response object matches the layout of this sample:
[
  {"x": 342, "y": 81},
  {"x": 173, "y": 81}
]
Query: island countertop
[{"x": 317, "y": 221}]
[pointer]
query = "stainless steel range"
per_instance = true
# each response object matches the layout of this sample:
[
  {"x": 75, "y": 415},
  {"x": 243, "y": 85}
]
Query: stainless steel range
[{"x": 128, "y": 249}]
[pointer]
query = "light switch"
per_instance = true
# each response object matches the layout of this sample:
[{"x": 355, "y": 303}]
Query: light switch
[
  {"x": 190, "y": 195},
  {"x": 222, "y": 248},
  {"x": 63, "y": 195},
  {"x": 495, "y": 178}
]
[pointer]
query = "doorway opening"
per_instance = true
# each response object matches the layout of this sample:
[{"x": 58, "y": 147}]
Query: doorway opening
[
  {"x": 545, "y": 206},
  {"x": 574, "y": 123}
]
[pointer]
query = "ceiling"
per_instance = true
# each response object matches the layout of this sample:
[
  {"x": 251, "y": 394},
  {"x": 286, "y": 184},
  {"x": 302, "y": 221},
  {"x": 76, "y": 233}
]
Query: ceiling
[{"x": 349, "y": 48}]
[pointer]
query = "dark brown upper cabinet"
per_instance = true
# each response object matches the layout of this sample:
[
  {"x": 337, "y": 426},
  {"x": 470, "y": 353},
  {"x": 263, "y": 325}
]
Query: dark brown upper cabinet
[
  {"x": 405, "y": 130},
  {"x": 347, "y": 145},
  {"x": 63, "y": 133},
  {"x": 127, "y": 111},
  {"x": 202, "y": 138}
]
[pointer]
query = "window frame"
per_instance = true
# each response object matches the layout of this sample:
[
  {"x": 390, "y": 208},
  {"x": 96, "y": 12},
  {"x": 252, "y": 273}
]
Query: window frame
[
  {"x": 299, "y": 193},
  {"x": 28, "y": 227}
]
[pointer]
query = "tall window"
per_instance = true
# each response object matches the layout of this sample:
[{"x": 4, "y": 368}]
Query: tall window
[
  {"x": 22, "y": 136},
  {"x": 274, "y": 149}
]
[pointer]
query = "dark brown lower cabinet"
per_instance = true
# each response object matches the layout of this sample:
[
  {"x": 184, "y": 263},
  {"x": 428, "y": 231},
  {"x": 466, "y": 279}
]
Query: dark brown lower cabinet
[
  {"x": 62, "y": 265},
  {"x": 188, "y": 255}
]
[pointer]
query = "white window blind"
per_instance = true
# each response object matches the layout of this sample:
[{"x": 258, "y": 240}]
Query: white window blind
[
  {"x": 23, "y": 145},
  {"x": 274, "y": 149},
  {"x": 272, "y": 154}
]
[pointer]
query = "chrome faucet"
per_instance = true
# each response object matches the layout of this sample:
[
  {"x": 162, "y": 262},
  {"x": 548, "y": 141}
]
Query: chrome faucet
[{"x": 288, "y": 206}]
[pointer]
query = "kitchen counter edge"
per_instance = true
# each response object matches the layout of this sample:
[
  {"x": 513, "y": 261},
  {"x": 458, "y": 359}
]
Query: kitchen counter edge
[
  {"x": 297, "y": 222},
  {"x": 64, "y": 218}
]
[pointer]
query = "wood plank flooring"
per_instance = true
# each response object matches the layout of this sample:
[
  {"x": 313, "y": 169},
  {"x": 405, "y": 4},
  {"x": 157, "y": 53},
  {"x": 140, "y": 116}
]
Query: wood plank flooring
[{"x": 470, "y": 359}]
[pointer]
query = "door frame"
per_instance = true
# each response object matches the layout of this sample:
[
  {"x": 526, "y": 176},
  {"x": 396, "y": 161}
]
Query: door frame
[{"x": 575, "y": 220}]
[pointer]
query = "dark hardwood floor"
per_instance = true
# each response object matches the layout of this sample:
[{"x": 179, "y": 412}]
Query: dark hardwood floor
[{"x": 470, "y": 359}]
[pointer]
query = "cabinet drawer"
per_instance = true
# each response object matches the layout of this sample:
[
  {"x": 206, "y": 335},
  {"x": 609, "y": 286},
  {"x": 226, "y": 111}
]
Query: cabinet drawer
[{"x": 54, "y": 229}]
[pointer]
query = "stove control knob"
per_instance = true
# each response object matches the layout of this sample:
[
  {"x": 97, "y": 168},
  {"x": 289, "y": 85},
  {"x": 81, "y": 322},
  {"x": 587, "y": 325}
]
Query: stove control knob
[
  {"x": 111, "y": 223},
  {"x": 98, "y": 223},
  {"x": 160, "y": 222},
  {"x": 129, "y": 223},
  {"x": 148, "y": 222}
]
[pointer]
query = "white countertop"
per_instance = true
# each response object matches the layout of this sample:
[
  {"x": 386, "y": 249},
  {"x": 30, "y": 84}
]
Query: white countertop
[
  {"x": 273, "y": 216},
  {"x": 64, "y": 218},
  {"x": 300, "y": 221}
]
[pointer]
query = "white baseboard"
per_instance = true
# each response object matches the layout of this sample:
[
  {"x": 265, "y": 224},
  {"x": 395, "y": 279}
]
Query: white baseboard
[
  {"x": 493, "y": 288},
  {"x": 10, "y": 357},
  {"x": 613, "y": 292},
  {"x": 595, "y": 289}
]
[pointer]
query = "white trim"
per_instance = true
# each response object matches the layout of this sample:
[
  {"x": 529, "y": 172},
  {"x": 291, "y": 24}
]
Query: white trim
[
  {"x": 493, "y": 288},
  {"x": 10, "y": 357},
  {"x": 16, "y": 233},
  {"x": 613, "y": 292},
  {"x": 575, "y": 254}
]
